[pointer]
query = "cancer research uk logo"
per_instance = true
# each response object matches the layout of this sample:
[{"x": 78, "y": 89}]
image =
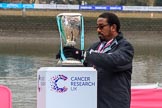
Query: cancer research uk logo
[
  {"x": 54, "y": 83},
  {"x": 74, "y": 83}
]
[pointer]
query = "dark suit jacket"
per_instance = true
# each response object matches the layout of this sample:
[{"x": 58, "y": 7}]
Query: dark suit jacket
[{"x": 114, "y": 68}]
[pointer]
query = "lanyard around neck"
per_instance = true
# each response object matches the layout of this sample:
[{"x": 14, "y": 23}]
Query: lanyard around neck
[{"x": 104, "y": 47}]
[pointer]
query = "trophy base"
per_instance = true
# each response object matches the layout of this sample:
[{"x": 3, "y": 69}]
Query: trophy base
[{"x": 69, "y": 63}]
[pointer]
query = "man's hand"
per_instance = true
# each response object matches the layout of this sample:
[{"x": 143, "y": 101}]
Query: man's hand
[{"x": 71, "y": 52}]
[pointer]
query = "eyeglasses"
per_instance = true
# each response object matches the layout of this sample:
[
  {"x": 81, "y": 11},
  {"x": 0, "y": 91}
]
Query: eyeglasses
[{"x": 101, "y": 26}]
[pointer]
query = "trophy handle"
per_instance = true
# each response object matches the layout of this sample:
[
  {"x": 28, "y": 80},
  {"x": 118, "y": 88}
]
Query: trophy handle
[
  {"x": 61, "y": 33},
  {"x": 82, "y": 33}
]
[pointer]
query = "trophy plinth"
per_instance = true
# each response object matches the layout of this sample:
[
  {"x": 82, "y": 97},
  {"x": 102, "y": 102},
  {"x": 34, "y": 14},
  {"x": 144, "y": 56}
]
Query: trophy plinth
[
  {"x": 71, "y": 30},
  {"x": 69, "y": 63}
]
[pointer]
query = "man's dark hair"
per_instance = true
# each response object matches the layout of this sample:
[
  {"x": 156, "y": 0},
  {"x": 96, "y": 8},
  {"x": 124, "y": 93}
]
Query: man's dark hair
[{"x": 111, "y": 19}]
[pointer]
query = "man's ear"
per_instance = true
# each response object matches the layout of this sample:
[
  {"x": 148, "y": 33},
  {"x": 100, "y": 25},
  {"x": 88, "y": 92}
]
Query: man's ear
[{"x": 114, "y": 27}]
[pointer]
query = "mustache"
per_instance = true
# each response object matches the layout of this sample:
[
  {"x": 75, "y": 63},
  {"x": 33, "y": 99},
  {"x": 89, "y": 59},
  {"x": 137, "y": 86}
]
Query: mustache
[{"x": 100, "y": 33}]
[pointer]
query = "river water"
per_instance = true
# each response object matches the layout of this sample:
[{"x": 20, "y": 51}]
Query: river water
[{"x": 22, "y": 54}]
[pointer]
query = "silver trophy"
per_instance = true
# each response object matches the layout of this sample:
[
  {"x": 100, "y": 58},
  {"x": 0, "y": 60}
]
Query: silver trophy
[{"x": 71, "y": 30}]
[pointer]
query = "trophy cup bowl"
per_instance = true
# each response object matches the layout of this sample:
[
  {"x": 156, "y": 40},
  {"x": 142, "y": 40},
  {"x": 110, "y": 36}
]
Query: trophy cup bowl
[
  {"x": 71, "y": 30},
  {"x": 71, "y": 26}
]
